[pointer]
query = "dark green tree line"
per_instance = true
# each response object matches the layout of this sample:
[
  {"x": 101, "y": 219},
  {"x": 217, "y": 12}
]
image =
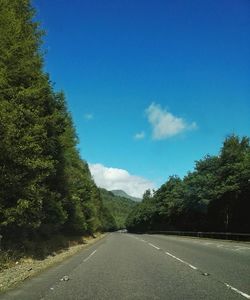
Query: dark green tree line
[
  {"x": 45, "y": 187},
  {"x": 214, "y": 197}
]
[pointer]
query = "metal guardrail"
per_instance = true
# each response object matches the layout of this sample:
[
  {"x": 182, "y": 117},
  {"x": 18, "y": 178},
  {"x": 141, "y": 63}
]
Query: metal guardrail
[{"x": 214, "y": 235}]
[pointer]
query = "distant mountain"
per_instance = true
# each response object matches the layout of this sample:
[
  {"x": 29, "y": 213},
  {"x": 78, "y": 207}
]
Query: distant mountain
[
  {"x": 118, "y": 206},
  {"x": 121, "y": 193}
]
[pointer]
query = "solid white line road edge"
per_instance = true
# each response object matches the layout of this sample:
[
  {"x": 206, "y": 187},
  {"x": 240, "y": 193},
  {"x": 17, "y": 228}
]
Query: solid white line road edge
[{"x": 90, "y": 255}]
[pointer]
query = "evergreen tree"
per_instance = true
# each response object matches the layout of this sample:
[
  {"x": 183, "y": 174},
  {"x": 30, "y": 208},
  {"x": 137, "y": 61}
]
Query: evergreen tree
[
  {"x": 45, "y": 187},
  {"x": 27, "y": 114}
]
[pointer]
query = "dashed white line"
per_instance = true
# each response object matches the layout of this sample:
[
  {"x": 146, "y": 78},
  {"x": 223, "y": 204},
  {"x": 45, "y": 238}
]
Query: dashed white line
[
  {"x": 89, "y": 256},
  {"x": 241, "y": 248},
  {"x": 237, "y": 291},
  {"x": 195, "y": 268},
  {"x": 182, "y": 261},
  {"x": 154, "y": 246}
]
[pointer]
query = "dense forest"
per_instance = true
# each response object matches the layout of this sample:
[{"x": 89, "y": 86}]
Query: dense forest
[
  {"x": 214, "y": 197},
  {"x": 118, "y": 206},
  {"x": 45, "y": 186},
  {"x": 123, "y": 194}
]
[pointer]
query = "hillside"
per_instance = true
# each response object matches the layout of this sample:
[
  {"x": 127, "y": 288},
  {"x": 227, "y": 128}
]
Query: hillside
[
  {"x": 119, "y": 207},
  {"x": 123, "y": 194}
]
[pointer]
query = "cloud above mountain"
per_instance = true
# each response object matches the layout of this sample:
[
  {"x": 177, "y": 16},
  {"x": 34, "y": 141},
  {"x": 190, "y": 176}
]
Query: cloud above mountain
[{"x": 120, "y": 179}]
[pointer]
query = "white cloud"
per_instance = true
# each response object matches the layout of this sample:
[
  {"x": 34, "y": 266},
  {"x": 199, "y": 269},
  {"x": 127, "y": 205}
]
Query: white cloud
[
  {"x": 139, "y": 135},
  {"x": 119, "y": 179},
  {"x": 88, "y": 117},
  {"x": 165, "y": 124}
]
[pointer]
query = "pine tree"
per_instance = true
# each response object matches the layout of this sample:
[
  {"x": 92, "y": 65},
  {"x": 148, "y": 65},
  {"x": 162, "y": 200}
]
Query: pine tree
[
  {"x": 45, "y": 186},
  {"x": 27, "y": 117}
]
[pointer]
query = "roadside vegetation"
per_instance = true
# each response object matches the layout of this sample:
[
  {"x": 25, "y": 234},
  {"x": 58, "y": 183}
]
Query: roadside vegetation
[
  {"x": 118, "y": 206},
  {"x": 48, "y": 199},
  {"x": 47, "y": 194},
  {"x": 214, "y": 197}
]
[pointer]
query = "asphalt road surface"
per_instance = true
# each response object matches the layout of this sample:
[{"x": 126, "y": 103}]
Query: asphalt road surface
[{"x": 130, "y": 266}]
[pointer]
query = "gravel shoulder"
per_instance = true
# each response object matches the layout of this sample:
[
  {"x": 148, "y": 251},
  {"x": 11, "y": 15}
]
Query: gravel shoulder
[{"x": 27, "y": 267}]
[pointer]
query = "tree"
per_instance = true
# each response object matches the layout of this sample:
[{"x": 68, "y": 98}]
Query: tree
[
  {"x": 214, "y": 197},
  {"x": 45, "y": 186},
  {"x": 27, "y": 114},
  {"x": 230, "y": 203}
]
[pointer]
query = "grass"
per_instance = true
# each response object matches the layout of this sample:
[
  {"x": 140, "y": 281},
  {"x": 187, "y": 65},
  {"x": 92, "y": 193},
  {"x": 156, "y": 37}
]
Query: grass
[
  {"x": 37, "y": 249},
  {"x": 19, "y": 262}
]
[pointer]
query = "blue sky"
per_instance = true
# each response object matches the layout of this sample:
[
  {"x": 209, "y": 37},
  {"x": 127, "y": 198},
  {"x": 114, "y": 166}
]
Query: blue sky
[{"x": 152, "y": 85}]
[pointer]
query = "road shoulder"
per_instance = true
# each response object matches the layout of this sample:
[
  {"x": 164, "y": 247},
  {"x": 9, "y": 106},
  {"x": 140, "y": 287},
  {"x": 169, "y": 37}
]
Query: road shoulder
[{"x": 27, "y": 267}]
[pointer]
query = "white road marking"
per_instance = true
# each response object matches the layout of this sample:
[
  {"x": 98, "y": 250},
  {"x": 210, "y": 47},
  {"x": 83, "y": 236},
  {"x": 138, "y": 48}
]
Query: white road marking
[
  {"x": 195, "y": 268},
  {"x": 241, "y": 248},
  {"x": 90, "y": 255},
  {"x": 154, "y": 246},
  {"x": 182, "y": 261},
  {"x": 237, "y": 291}
]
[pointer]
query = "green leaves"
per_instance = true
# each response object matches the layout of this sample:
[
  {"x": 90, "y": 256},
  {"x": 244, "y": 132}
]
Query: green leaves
[
  {"x": 214, "y": 197},
  {"x": 116, "y": 208},
  {"x": 44, "y": 184}
]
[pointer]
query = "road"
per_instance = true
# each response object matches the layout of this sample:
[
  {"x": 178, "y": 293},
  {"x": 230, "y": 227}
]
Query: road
[{"x": 130, "y": 266}]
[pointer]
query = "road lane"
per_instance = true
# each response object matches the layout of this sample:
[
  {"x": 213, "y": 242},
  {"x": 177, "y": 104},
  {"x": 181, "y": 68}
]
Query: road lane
[
  {"x": 226, "y": 261},
  {"x": 125, "y": 266}
]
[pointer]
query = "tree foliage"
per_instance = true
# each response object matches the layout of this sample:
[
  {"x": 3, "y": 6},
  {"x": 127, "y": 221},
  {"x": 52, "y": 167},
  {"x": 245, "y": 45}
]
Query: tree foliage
[
  {"x": 214, "y": 197},
  {"x": 119, "y": 208},
  {"x": 45, "y": 187}
]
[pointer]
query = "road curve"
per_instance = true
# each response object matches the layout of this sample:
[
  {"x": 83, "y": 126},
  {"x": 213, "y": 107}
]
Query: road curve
[{"x": 130, "y": 266}]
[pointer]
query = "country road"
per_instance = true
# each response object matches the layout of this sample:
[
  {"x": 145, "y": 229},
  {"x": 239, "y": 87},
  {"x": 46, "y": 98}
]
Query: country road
[{"x": 130, "y": 266}]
